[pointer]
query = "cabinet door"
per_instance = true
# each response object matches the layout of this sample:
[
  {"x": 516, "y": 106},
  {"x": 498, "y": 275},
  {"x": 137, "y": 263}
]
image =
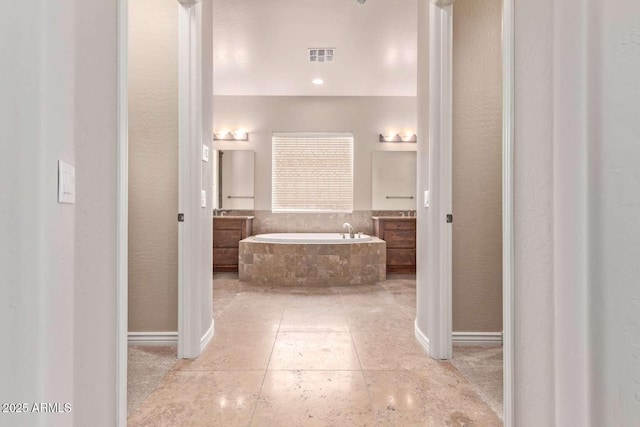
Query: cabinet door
[
  {"x": 225, "y": 257},
  {"x": 399, "y": 257},
  {"x": 221, "y": 223},
  {"x": 400, "y": 238},
  {"x": 226, "y": 238},
  {"x": 400, "y": 225}
]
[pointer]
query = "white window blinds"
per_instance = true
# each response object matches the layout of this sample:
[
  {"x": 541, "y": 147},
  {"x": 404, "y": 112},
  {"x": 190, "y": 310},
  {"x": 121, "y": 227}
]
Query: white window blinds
[{"x": 312, "y": 172}]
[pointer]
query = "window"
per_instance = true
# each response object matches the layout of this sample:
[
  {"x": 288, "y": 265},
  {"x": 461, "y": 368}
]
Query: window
[{"x": 312, "y": 172}]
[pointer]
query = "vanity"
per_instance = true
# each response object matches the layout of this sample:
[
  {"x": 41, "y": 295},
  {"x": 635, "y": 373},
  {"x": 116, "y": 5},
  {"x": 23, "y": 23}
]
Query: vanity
[
  {"x": 400, "y": 235},
  {"x": 227, "y": 233},
  {"x": 233, "y": 186},
  {"x": 393, "y": 195}
]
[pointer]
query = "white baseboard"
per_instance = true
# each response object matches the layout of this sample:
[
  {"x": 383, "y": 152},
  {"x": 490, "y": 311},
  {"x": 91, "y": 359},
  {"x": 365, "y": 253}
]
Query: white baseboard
[
  {"x": 477, "y": 338},
  {"x": 423, "y": 340},
  {"x": 462, "y": 338},
  {"x": 206, "y": 337},
  {"x": 152, "y": 338},
  {"x": 165, "y": 338}
]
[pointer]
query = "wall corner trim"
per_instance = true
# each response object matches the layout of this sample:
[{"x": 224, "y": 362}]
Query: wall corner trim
[
  {"x": 423, "y": 340},
  {"x": 206, "y": 338},
  {"x": 153, "y": 338}
]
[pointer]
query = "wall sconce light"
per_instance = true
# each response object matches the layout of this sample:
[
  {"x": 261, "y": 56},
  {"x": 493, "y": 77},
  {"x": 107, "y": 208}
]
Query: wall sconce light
[
  {"x": 225, "y": 135},
  {"x": 396, "y": 137}
]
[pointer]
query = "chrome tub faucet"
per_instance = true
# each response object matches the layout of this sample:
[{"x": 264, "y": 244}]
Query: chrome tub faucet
[{"x": 347, "y": 225}]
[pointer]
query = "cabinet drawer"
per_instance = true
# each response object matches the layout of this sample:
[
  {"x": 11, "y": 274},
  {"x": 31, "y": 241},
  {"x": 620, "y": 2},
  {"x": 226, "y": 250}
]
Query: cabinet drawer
[
  {"x": 400, "y": 238},
  {"x": 226, "y": 238},
  {"x": 225, "y": 257},
  {"x": 401, "y": 257},
  {"x": 228, "y": 224},
  {"x": 400, "y": 225}
]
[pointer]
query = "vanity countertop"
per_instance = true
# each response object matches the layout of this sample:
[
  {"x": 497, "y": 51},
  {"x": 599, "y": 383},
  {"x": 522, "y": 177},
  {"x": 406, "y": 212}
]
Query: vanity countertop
[
  {"x": 233, "y": 217},
  {"x": 406, "y": 218}
]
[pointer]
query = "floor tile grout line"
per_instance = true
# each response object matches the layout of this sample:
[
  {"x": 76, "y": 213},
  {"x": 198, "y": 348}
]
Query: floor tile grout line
[
  {"x": 273, "y": 346},
  {"x": 341, "y": 298}
]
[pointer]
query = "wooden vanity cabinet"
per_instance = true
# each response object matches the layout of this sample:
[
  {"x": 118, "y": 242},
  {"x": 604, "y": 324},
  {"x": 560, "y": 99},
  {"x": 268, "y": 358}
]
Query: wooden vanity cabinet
[
  {"x": 400, "y": 235},
  {"x": 227, "y": 233}
]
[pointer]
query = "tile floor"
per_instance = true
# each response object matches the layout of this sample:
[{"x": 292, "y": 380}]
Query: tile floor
[
  {"x": 482, "y": 367},
  {"x": 331, "y": 356},
  {"x": 146, "y": 368}
]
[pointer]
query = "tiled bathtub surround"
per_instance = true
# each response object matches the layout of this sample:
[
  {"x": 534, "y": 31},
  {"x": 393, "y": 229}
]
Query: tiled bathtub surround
[
  {"x": 297, "y": 222},
  {"x": 312, "y": 264}
]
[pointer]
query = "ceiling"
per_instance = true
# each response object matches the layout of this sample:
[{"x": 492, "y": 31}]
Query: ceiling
[{"x": 260, "y": 47}]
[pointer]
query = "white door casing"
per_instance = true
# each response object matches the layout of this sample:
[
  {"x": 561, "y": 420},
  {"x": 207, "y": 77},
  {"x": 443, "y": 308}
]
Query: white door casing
[
  {"x": 189, "y": 175},
  {"x": 439, "y": 230},
  {"x": 122, "y": 202},
  {"x": 440, "y": 178}
]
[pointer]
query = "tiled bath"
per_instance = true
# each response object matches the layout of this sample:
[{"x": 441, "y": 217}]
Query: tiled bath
[{"x": 310, "y": 264}]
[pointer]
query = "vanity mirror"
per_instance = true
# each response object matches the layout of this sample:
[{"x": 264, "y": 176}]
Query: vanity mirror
[
  {"x": 235, "y": 179},
  {"x": 393, "y": 180}
]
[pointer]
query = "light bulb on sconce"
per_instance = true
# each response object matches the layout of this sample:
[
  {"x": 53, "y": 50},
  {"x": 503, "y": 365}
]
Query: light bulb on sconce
[
  {"x": 409, "y": 137},
  {"x": 226, "y": 135},
  {"x": 397, "y": 137},
  {"x": 240, "y": 135}
]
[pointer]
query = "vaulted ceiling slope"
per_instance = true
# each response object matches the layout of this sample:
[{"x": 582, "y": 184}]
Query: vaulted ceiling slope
[{"x": 261, "y": 47}]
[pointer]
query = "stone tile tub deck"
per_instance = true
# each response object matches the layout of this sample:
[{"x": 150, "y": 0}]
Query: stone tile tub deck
[{"x": 312, "y": 259}]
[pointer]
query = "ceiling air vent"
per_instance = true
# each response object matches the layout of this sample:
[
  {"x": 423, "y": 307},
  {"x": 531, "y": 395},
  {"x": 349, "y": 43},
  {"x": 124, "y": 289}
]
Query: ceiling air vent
[{"x": 321, "y": 54}]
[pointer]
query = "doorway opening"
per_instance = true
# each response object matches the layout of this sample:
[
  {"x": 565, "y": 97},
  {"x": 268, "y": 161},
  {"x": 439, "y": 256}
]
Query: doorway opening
[{"x": 341, "y": 296}]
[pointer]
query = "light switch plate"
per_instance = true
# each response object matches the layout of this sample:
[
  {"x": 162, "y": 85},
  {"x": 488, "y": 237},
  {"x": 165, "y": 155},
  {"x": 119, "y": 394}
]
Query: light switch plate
[
  {"x": 203, "y": 198},
  {"x": 66, "y": 183},
  {"x": 426, "y": 198},
  {"x": 205, "y": 153}
]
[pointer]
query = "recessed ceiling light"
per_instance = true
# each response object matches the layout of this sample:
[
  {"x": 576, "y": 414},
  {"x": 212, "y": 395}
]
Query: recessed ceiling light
[{"x": 317, "y": 82}]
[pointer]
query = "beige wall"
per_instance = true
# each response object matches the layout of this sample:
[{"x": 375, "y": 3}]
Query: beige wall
[
  {"x": 153, "y": 165},
  {"x": 477, "y": 166},
  {"x": 365, "y": 116}
]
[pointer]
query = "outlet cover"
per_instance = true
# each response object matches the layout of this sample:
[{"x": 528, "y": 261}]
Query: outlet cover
[
  {"x": 205, "y": 153},
  {"x": 203, "y": 198}
]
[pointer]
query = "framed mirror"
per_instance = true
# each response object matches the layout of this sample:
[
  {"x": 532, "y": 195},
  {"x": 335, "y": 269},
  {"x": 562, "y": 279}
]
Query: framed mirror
[
  {"x": 235, "y": 180},
  {"x": 393, "y": 184}
]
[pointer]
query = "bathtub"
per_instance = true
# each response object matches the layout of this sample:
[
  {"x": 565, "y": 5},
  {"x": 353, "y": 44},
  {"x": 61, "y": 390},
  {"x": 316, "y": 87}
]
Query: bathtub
[
  {"x": 311, "y": 238},
  {"x": 311, "y": 259}
]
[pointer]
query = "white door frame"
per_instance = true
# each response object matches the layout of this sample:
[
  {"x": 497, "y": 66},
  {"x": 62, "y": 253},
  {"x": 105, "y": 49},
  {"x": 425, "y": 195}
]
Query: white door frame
[
  {"x": 122, "y": 212},
  {"x": 440, "y": 176},
  {"x": 508, "y": 235},
  {"x": 190, "y": 134},
  {"x": 440, "y": 188},
  {"x": 189, "y": 176}
]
